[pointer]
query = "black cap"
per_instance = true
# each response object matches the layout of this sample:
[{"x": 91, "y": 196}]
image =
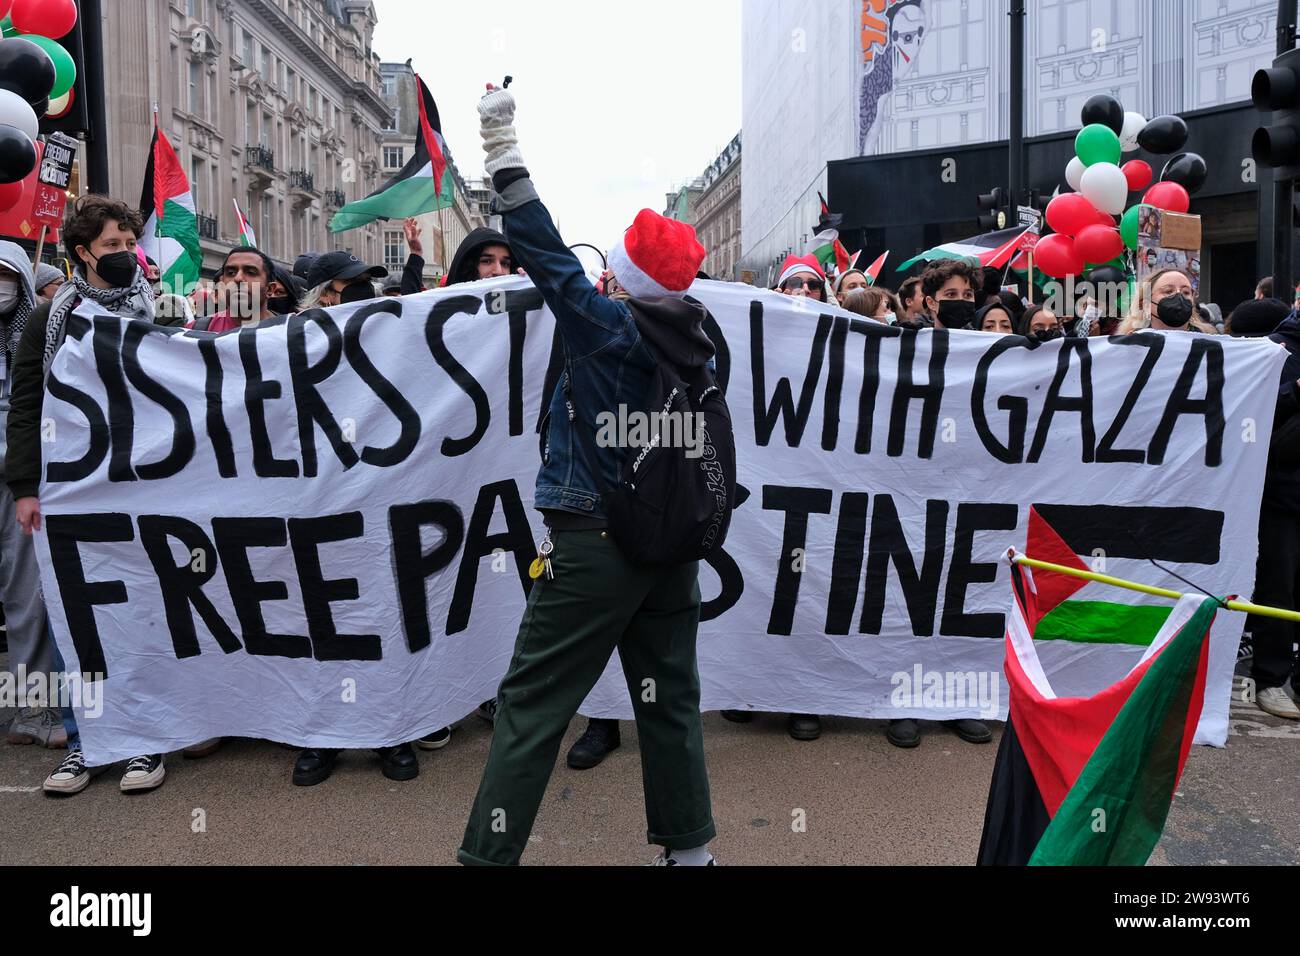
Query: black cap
[
  {"x": 340, "y": 265},
  {"x": 302, "y": 265},
  {"x": 1257, "y": 317}
]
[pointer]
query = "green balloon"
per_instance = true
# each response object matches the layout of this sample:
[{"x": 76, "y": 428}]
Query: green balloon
[
  {"x": 65, "y": 68},
  {"x": 7, "y": 27},
  {"x": 1128, "y": 226},
  {"x": 1097, "y": 144}
]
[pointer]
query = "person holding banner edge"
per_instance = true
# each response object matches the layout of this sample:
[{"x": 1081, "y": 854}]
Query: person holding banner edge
[{"x": 593, "y": 600}]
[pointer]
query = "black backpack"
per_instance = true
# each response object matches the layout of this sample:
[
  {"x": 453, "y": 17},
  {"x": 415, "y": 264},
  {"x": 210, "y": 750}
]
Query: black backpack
[{"x": 668, "y": 507}]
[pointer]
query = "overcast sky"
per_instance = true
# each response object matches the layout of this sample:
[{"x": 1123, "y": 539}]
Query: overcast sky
[{"x": 618, "y": 102}]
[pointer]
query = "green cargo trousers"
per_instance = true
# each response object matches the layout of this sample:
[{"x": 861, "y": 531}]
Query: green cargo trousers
[{"x": 597, "y": 601}]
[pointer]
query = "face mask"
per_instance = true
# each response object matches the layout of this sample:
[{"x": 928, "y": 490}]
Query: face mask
[
  {"x": 118, "y": 269},
  {"x": 1174, "y": 311},
  {"x": 357, "y": 292},
  {"x": 956, "y": 313},
  {"x": 280, "y": 305},
  {"x": 1047, "y": 335},
  {"x": 8, "y": 295}
]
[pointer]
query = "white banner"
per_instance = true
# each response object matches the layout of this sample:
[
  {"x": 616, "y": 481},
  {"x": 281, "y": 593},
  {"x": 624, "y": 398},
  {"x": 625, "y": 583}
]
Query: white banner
[{"x": 317, "y": 531}]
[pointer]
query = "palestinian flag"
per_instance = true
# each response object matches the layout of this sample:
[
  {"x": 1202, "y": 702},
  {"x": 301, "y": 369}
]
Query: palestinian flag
[
  {"x": 419, "y": 187},
  {"x": 993, "y": 249},
  {"x": 826, "y": 246},
  {"x": 873, "y": 271},
  {"x": 246, "y": 235},
  {"x": 1088, "y": 781},
  {"x": 171, "y": 228}
]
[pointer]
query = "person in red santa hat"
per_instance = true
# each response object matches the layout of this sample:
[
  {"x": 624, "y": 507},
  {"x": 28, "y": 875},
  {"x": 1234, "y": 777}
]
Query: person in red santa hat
[
  {"x": 587, "y": 599},
  {"x": 802, "y": 276}
]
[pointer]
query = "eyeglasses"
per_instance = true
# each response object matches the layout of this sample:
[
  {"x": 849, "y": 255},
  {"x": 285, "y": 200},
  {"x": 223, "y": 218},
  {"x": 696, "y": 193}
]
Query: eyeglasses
[{"x": 812, "y": 285}]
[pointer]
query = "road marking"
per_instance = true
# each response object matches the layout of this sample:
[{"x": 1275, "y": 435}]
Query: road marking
[{"x": 19, "y": 789}]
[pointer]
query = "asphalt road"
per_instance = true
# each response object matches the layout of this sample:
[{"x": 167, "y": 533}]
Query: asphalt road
[{"x": 864, "y": 802}]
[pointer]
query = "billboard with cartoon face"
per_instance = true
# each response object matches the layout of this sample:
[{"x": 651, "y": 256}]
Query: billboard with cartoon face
[{"x": 892, "y": 35}]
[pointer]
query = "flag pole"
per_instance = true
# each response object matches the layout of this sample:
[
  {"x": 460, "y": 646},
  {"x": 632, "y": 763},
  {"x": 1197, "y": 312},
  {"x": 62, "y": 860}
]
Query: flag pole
[{"x": 1243, "y": 606}]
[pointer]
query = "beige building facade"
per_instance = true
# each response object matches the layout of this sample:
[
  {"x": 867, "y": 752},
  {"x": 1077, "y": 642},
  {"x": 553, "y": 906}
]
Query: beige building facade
[
  {"x": 717, "y": 214},
  {"x": 276, "y": 104}
]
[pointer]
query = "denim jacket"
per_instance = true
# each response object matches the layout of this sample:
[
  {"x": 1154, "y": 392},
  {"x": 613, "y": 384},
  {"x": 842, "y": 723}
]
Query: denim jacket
[{"x": 606, "y": 363}]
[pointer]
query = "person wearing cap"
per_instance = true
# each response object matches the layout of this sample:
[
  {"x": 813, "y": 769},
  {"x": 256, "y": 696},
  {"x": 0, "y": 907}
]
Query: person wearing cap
[
  {"x": 48, "y": 279},
  {"x": 595, "y": 600},
  {"x": 392, "y": 287},
  {"x": 851, "y": 280},
  {"x": 802, "y": 276},
  {"x": 336, "y": 278}
]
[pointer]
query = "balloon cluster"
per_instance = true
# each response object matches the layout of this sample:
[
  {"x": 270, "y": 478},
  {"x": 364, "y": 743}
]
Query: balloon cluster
[
  {"x": 36, "y": 78},
  {"x": 1085, "y": 235}
]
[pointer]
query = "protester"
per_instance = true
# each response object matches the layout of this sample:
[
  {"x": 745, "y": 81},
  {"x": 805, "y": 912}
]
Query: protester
[
  {"x": 1165, "y": 303},
  {"x": 1264, "y": 289},
  {"x": 802, "y": 276},
  {"x": 1040, "y": 323},
  {"x": 483, "y": 254},
  {"x": 392, "y": 287},
  {"x": 949, "y": 286},
  {"x": 48, "y": 278},
  {"x": 244, "y": 291},
  {"x": 339, "y": 277},
  {"x": 912, "y": 296},
  {"x": 30, "y": 645},
  {"x": 874, "y": 303},
  {"x": 995, "y": 317},
  {"x": 283, "y": 292},
  {"x": 412, "y": 278},
  {"x": 851, "y": 280},
  {"x": 1277, "y": 571},
  {"x": 100, "y": 236},
  {"x": 597, "y": 600}
]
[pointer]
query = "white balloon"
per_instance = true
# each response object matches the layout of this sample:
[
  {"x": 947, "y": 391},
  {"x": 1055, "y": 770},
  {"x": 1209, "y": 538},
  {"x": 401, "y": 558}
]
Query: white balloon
[
  {"x": 1134, "y": 123},
  {"x": 15, "y": 112},
  {"x": 1074, "y": 173},
  {"x": 1106, "y": 187},
  {"x": 57, "y": 106}
]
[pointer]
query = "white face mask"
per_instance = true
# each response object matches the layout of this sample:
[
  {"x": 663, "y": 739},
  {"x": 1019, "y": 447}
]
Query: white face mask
[{"x": 8, "y": 295}]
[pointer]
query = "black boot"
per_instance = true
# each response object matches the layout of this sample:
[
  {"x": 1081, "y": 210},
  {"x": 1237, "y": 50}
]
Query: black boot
[
  {"x": 903, "y": 733},
  {"x": 805, "y": 726},
  {"x": 313, "y": 767},
  {"x": 738, "y": 716},
  {"x": 592, "y": 747},
  {"x": 970, "y": 730},
  {"x": 399, "y": 763}
]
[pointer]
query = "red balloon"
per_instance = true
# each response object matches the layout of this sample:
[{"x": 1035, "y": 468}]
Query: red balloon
[
  {"x": 1168, "y": 196},
  {"x": 47, "y": 18},
  {"x": 4, "y": 8},
  {"x": 1056, "y": 255},
  {"x": 10, "y": 193},
  {"x": 1098, "y": 244},
  {"x": 1138, "y": 174},
  {"x": 1070, "y": 212}
]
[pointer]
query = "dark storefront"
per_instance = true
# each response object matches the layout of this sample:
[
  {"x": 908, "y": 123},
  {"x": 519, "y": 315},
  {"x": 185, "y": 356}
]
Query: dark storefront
[{"x": 910, "y": 202}]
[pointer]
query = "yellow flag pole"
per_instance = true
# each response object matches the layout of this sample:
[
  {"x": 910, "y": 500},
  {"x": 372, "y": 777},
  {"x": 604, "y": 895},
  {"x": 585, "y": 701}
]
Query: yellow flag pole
[{"x": 1243, "y": 606}]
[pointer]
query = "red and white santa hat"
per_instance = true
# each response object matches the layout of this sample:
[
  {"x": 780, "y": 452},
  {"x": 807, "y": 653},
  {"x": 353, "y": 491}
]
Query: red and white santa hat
[
  {"x": 795, "y": 265},
  {"x": 658, "y": 257}
]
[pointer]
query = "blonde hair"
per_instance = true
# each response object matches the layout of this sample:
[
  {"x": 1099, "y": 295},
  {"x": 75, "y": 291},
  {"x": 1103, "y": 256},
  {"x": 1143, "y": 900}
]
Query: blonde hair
[{"x": 1139, "y": 318}]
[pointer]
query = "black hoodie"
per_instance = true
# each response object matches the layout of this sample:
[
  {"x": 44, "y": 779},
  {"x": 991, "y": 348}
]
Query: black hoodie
[
  {"x": 464, "y": 264},
  {"x": 1282, "y": 480}
]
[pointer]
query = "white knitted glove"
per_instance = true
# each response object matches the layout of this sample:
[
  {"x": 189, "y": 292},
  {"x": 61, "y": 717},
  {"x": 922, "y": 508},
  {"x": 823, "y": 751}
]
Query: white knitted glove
[{"x": 496, "y": 113}]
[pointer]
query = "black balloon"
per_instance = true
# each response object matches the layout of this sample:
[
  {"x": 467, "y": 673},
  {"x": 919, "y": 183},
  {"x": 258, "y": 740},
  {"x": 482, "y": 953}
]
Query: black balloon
[
  {"x": 1106, "y": 274},
  {"x": 25, "y": 69},
  {"x": 1187, "y": 170},
  {"x": 1105, "y": 110},
  {"x": 17, "y": 155},
  {"x": 1163, "y": 135}
]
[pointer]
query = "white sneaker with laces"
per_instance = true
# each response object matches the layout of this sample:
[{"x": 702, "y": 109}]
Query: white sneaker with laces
[
  {"x": 143, "y": 773},
  {"x": 70, "y": 776},
  {"x": 1276, "y": 701}
]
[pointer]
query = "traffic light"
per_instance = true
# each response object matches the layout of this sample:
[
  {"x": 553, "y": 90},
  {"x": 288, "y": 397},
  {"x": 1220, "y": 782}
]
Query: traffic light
[
  {"x": 994, "y": 206},
  {"x": 77, "y": 119},
  {"x": 1277, "y": 90}
]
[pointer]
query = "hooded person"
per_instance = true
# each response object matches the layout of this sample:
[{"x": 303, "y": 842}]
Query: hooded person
[
  {"x": 483, "y": 254},
  {"x": 595, "y": 600},
  {"x": 30, "y": 648},
  {"x": 1257, "y": 317}
]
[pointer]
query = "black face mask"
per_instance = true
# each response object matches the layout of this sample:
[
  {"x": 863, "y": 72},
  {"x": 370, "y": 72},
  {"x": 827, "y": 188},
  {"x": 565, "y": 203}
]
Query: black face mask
[
  {"x": 357, "y": 292},
  {"x": 280, "y": 305},
  {"x": 956, "y": 313},
  {"x": 1047, "y": 335},
  {"x": 1174, "y": 311},
  {"x": 118, "y": 269}
]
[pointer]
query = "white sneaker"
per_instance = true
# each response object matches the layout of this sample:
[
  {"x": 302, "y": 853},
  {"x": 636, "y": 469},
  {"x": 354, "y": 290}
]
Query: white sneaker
[
  {"x": 70, "y": 776},
  {"x": 143, "y": 773},
  {"x": 666, "y": 859},
  {"x": 1276, "y": 701}
]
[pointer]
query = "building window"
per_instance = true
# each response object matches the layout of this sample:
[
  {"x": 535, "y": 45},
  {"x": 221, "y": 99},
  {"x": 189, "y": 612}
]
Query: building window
[
  {"x": 194, "y": 104},
  {"x": 394, "y": 258},
  {"x": 393, "y": 157}
]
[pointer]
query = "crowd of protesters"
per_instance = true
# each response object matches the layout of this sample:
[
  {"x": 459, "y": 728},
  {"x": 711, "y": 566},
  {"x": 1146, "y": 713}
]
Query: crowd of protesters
[{"x": 101, "y": 238}]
